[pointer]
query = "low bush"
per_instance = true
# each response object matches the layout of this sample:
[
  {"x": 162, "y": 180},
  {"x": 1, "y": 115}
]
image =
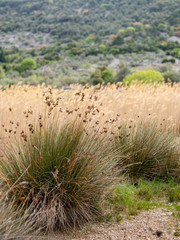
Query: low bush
[
  {"x": 123, "y": 70},
  {"x": 59, "y": 173},
  {"x": 102, "y": 74},
  {"x": 144, "y": 76},
  {"x": 172, "y": 76},
  {"x": 27, "y": 64}
]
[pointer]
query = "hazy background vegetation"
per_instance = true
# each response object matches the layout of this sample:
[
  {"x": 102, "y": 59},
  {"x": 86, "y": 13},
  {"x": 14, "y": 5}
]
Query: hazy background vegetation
[{"x": 69, "y": 40}]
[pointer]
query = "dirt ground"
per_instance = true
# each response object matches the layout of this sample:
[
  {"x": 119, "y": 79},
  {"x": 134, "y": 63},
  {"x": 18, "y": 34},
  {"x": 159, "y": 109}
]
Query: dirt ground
[{"x": 149, "y": 225}]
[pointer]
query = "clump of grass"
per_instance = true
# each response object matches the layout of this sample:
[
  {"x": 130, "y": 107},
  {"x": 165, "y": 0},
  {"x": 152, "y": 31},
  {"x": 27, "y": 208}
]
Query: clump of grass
[
  {"x": 60, "y": 173},
  {"x": 149, "y": 150},
  {"x": 13, "y": 226},
  {"x": 174, "y": 194},
  {"x": 167, "y": 190}
]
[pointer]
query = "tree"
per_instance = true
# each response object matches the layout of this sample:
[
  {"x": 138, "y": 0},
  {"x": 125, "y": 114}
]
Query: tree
[
  {"x": 118, "y": 40},
  {"x": 107, "y": 75},
  {"x": 27, "y": 64},
  {"x": 173, "y": 76},
  {"x": 145, "y": 76},
  {"x": 122, "y": 72},
  {"x": 102, "y": 74},
  {"x": 1, "y": 71},
  {"x": 2, "y": 55}
]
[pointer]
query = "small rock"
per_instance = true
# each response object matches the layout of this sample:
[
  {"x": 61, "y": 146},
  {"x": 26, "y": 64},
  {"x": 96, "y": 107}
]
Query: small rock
[{"x": 159, "y": 233}]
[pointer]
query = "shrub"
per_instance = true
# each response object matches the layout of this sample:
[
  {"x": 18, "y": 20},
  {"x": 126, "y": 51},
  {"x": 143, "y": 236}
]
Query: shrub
[
  {"x": 59, "y": 173},
  {"x": 107, "y": 75},
  {"x": 168, "y": 73},
  {"x": 2, "y": 55},
  {"x": 122, "y": 72},
  {"x": 164, "y": 67},
  {"x": 171, "y": 60},
  {"x": 52, "y": 56},
  {"x": 174, "y": 194},
  {"x": 119, "y": 40},
  {"x": 96, "y": 77},
  {"x": 102, "y": 74},
  {"x": 145, "y": 76},
  {"x": 163, "y": 27},
  {"x": 176, "y": 52},
  {"x": 171, "y": 75},
  {"x": 27, "y": 64},
  {"x": 1, "y": 71},
  {"x": 149, "y": 151}
]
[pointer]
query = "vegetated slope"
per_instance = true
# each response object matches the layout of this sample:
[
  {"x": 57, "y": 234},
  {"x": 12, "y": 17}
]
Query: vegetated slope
[
  {"x": 64, "y": 19},
  {"x": 84, "y": 33}
]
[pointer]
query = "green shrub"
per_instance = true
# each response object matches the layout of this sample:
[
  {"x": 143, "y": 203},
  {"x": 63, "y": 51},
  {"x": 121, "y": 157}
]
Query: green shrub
[
  {"x": 145, "y": 76},
  {"x": 171, "y": 60},
  {"x": 60, "y": 173},
  {"x": 107, "y": 75},
  {"x": 27, "y": 64},
  {"x": 176, "y": 52},
  {"x": 119, "y": 40},
  {"x": 52, "y": 56},
  {"x": 168, "y": 73},
  {"x": 163, "y": 27},
  {"x": 123, "y": 70},
  {"x": 149, "y": 151},
  {"x": 171, "y": 75},
  {"x": 102, "y": 74},
  {"x": 173, "y": 193},
  {"x": 2, "y": 55},
  {"x": 164, "y": 67},
  {"x": 96, "y": 77},
  {"x": 1, "y": 71}
]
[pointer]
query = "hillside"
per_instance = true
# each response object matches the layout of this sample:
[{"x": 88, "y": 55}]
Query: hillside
[
  {"x": 86, "y": 33},
  {"x": 67, "y": 20}
]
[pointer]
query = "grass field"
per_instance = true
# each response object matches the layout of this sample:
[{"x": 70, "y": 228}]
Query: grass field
[{"x": 63, "y": 150}]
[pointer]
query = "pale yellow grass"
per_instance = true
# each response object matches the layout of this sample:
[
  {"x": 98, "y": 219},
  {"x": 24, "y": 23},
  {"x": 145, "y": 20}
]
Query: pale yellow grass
[{"x": 105, "y": 108}]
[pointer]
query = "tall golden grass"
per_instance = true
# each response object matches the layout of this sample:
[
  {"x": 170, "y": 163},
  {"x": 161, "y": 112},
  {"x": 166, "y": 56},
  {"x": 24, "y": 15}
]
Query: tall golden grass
[{"x": 106, "y": 107}]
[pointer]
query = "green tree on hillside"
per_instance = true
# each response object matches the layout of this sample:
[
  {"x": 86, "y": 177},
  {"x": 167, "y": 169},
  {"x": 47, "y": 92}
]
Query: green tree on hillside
[
  {"x": 27, "y": 64},
  {"x": 2, "y": 55},
  {"x": 144, "y": 76}
]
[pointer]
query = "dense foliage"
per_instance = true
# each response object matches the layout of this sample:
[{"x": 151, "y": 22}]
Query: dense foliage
[{"x": 62, "y": 18}]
